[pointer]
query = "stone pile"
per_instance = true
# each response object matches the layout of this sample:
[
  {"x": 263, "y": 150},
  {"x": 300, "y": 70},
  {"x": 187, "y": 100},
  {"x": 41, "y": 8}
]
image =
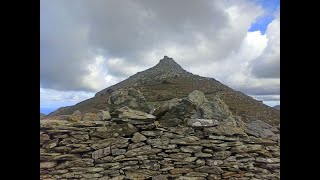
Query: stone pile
[{"x": 187, "y": 139}]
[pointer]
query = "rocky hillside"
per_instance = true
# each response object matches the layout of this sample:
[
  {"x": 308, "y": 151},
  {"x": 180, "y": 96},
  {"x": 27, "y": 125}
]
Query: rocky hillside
[
  {"x": 190, "y": 138},
  {"x": 277, "y": 107},
  {"x": 168, "y": 80},
  {"x": 42, "y": 116}
]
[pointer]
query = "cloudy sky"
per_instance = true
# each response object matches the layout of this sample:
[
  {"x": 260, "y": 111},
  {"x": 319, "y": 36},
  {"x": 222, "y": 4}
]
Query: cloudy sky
[{"x": 88, "y": 45}]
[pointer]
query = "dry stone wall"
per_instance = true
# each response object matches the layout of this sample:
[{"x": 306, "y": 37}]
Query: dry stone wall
[
  {"x": 145, "y": 148},
  {"x": 109, "y": 150}
]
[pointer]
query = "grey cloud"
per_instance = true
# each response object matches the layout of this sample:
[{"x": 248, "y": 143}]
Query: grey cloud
[
  {"x": 264, "y": 69},
  {"x": 119, "y": 68},
  {"x": 63, "y": 49},
  {"x": 72, "y": 31},
  {"x": 260, "y": 90},
  {"x": 131, "y": 28}
]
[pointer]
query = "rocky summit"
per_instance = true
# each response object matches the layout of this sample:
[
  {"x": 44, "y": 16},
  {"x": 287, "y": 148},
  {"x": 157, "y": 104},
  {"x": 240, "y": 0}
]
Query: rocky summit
[
  {"x": 167, "y": 81},
  {"x": 185, "y": 138}
]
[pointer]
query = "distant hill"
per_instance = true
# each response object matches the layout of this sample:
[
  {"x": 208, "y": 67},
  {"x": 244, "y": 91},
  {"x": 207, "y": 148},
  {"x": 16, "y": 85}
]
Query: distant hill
[
  {"x": 277, "y": 107},
  {"x": 168, "y": 80},
  {"x": 42, "y": 116}
]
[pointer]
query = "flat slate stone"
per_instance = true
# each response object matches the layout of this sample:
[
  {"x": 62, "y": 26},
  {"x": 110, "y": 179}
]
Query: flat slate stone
[
  {"x": 202, "y": 122},
  {"x": 101, "y": 153}
]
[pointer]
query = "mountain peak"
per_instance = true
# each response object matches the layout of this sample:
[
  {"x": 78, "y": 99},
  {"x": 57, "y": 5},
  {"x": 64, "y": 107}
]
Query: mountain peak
[
  {"x": 168, "y": 64},
  {"x": 167, "y": 59},
  {"x": 168, "y": 80}
]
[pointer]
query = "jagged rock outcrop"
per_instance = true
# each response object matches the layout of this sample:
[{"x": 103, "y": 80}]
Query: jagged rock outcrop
[
  {"x": 129, "y": 97},
  {"x": 143, "y": 148},
  {"x": 195, "y": 108},
  {"x": 261, "y": 129},
  {"x": 76, "y": 116},
  {"x": 197, "y": 97},
  {"x": 105, "y": 115}
]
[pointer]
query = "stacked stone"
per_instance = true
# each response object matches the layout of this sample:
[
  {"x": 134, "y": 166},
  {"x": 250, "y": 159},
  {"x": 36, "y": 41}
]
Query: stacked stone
[{"x": 136, "y": 145}]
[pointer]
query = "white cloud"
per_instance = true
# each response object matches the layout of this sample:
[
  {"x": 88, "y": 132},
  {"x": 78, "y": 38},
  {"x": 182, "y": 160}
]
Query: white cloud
[
  {"x": 50, "y": 98},
  {"x": 270, "y": 100},
  {"x": 267, "y": 65},
  {"x": 111, "y": 80},
  {"x": 234, "y": 69},
  {"x": 95, "y": 77}
]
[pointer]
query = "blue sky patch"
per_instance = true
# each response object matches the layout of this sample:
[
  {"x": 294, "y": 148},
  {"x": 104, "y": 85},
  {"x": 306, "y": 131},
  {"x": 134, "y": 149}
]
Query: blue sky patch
[
  {"x": 270, "y": 7},
  {"x": 47, "y": 110}
]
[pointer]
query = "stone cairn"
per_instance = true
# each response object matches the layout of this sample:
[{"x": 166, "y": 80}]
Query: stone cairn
[{"x": 188, "y": 139}]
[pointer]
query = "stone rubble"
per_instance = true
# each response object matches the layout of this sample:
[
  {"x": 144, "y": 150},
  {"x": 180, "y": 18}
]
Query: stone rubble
[{"x": 205, "y": 143}]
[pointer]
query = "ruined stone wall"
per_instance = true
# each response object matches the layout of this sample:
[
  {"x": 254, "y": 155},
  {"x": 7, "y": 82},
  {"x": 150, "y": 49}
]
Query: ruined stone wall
[{"x": 116, "y": 149}]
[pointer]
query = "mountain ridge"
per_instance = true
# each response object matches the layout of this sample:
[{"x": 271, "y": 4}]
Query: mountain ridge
[
  {"x": 167, "y": 80},
  {"x": 277, "y": 107},
  {"x": 166, "y": 68}
]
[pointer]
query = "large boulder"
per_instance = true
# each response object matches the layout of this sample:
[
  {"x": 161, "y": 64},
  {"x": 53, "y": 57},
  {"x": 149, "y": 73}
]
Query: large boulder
[
  {"x": 262, "y": 130},
  {"x": 171, "y": 122},
  {"x": 100, "y": 116},
  {"x": 202, "y": 122},
  {"x": 76, "y": 116},
  {"x": 164, "y": 108},
  {"x": 105, "y": 115},
  {"x": 195, "y": 106},
  {"x": 181, "y": 109},
  {"x": 127, "y": 113},
  {"x": 197, "y": 97},
  {"x": 215, "y": 109},
  {"x": 90, "y": 117},
  {"x": 129, "y": 97}
]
